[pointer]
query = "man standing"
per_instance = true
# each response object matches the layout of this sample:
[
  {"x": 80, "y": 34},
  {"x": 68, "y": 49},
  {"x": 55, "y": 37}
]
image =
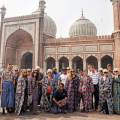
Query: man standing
[
  {"x": 63, "y": 76},
  {"x": 40, "y": 77},
  {"x": 15, "y": 77},
  {"x": 110, "y": 70},
  {"x": 56, "y": 77},
  {"x": 95, "y": 79}
]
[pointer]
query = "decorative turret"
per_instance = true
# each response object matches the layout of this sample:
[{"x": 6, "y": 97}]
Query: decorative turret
[
  {"x": 41, "y": 8},
  {"x": 3, "y": 12},
  {"x": 41, "y": 32}
]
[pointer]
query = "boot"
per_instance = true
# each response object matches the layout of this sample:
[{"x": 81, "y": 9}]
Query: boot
[{"x": 3, "y": 111}]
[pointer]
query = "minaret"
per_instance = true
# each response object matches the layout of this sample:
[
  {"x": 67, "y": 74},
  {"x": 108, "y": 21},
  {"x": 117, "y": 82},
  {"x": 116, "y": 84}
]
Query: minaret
[
  {"x": 116, "y": 13},
  {"x": 41, "y": 33},
  {"x": 116, "y": 34},
  {"x": 2, "y": 12}
]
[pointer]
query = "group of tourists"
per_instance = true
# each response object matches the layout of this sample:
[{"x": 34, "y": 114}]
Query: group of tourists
[{"x": 28, "y": 90}]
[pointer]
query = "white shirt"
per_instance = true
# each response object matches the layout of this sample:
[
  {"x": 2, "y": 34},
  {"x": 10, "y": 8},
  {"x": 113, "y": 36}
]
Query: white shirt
[
  {"x": 89, "y": 72},
  {"x": 95, "y": 78},
  {"x": 63, "y": 78}
]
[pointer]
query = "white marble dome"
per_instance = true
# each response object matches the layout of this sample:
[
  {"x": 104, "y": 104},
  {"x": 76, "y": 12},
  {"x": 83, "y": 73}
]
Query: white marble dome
[
  {"x": 50, "y": 28},
  {"x": 82, "y": 27}
]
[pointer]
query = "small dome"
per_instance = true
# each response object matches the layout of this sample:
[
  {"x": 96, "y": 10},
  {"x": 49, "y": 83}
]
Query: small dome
[
  {"x": 50, "y": 28},
  {"x": 82, "y": 27}
]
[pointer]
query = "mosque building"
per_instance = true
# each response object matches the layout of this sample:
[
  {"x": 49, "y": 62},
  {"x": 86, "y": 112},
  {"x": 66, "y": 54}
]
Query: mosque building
[{"x": 29, "y": 41}]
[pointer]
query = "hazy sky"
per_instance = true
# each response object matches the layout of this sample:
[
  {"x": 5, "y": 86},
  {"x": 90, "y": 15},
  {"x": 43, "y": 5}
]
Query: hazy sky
[{"x": 65, "y": 12}]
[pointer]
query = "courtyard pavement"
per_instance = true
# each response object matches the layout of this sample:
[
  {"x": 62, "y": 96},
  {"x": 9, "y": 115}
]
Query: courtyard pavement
[{"x": 73, "y": 116}]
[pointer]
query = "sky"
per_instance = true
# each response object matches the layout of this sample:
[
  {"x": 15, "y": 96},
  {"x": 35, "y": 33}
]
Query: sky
[{"x": 66, "y": 12}]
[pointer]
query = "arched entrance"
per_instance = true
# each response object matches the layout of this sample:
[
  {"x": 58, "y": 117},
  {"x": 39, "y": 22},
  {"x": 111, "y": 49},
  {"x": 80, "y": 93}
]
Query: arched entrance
[
  {"x": 63, "y": 63},
  {"x": 16, "y": 44},
  {"x": 92, "y": 61},
  {"x": 50, "y": 63},
  {"x": 106, "y": 60},
  {"x": 26, "y": 61},
  {"x": 77, "y": 64}
]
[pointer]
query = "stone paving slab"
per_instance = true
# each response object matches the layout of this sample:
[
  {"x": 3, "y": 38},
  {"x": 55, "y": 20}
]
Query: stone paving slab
[{"x": 73, "y": 116}]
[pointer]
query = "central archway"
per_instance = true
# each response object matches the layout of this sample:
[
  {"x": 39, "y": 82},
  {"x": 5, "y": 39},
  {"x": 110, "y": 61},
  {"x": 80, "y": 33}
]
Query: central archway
[
  {"x": 26, "y": 61},
  {"x": 16, "y": 44}
]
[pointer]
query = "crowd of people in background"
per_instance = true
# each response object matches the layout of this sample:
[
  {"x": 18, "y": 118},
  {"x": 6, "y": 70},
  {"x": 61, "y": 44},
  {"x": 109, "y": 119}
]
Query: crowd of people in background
[{"x": 27, "y": 90}]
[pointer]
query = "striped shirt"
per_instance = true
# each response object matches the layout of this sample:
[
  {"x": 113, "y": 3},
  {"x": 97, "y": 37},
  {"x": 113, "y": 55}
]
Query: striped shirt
[{"x": 95, "y": 78}]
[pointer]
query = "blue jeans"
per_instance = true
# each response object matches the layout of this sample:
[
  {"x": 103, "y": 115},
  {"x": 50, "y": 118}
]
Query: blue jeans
[{"x": 7, "y": 97}]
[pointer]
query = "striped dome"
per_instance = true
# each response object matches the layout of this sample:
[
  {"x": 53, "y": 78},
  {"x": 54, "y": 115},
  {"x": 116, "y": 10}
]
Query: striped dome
[{"x": 82, "y": 27}]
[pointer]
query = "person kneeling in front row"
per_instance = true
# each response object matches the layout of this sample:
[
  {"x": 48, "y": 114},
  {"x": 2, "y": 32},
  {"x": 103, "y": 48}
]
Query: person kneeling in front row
[{"x": 59, "y": 100}]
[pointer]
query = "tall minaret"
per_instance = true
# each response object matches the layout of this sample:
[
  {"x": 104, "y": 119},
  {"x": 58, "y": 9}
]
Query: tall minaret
[
  {"x": 2, "y": 12},
  {"x": 116, "y": 12},
  {"x": 41, "y": 33},
  {"x": 116, "y": 34}
]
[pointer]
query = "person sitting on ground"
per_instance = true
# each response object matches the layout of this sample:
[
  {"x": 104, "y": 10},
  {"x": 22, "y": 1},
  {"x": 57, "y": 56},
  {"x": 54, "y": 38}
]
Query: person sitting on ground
[{"x": 59, "y": 100}]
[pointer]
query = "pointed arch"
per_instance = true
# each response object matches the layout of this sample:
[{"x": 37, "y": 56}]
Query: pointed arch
[
  {"x": 16, "y": 44},
  {"x": 77, "y": 63},
  {"x": 26, "y": 61},
  {"x": 63, "y": 63},
  {"x": 105, "y": 60},
  {"x": 50, "y": 63},
  {"x": 92, "y": 60}
]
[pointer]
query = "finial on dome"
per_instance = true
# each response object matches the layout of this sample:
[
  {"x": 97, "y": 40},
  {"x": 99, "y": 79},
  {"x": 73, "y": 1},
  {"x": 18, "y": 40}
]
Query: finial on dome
[
  {"x": 42, "y": 5},
  {"x": 82, "y": 12}
]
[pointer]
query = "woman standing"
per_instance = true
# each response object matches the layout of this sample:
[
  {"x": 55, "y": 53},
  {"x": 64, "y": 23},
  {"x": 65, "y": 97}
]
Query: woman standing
[
  {"x": 72, "y": 87},
  {"x": 86, "y": 90},
  {"x": 7, "y": 97},
  {"x": 47, "y": 91},
  {"x": 105, "y": 87},
  {"x": 29, "y": 78},
  {"x": 116, "y": 91},
  {"x": 35, "y": 81},
  {"x": 21, "y": 93}
]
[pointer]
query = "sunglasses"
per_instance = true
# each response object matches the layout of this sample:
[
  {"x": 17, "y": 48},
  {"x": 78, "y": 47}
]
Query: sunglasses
[
  {"x": 35, "y": 72},
  {"x": 24, "y": 72},
  {"x": 105, "y": 72}
]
